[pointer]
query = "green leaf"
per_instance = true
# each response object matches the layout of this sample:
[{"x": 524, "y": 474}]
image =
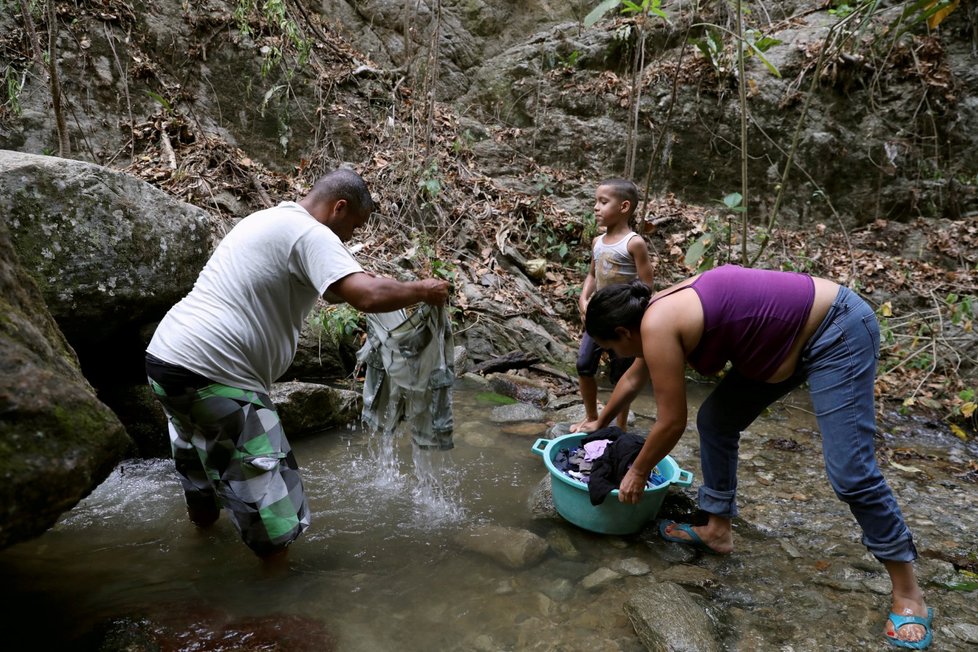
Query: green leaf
[
  {"x": 598, "y": 12},
  {"x": 162, "y": 101},
  {"x": 770, "y": 66},
  {"x": 733, "y": 200}
]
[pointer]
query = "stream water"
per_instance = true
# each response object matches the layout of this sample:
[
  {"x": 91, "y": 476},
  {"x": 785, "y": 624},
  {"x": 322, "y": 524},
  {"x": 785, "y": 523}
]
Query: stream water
[{"x": 380, "y": 568}]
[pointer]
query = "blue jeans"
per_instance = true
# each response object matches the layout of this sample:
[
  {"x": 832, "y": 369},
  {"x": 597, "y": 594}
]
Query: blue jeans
[{"x": 839, "y": 363}]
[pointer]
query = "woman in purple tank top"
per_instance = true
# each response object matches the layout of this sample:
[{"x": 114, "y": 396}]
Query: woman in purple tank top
[{"x": 777, "y": 330}]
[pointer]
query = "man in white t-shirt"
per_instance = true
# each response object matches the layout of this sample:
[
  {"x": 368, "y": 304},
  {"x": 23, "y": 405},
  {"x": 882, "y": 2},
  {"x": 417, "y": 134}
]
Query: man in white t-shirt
[{"x": 216, "y": 353}]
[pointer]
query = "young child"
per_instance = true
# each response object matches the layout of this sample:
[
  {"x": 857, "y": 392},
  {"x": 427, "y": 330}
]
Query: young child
[{"x": 618, "y": 256}]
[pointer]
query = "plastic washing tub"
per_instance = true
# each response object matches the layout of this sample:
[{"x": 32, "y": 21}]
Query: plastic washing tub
[{"x": 573, "y": 502}]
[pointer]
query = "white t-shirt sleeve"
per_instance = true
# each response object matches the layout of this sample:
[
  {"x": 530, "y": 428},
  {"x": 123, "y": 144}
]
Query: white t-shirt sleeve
[{"x": 319, "y": 259}]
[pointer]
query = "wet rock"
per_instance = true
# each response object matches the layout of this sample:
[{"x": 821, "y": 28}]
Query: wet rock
[
  {"x": 58, "y": 442},
  {"x": 599, "y": 579},
  {"x": 631, "y": 566},
  {"x": 561, "y": 544},
  {"x": 525, "y": 390},
  {"x": 524, "y": 429},
  {"x": 541, "y": 501},
  {"x": 309, "y": 407},
  {"x": 668, "y": 619},
  {"x": 689, "y": 575},
  {"x": 559, "y": 590},
  {"x": 965, "y": 632},
  {"x": 511, "y": 547},
  {"x": 516, "y": 412},
  {"x": 94, "y": 241}
]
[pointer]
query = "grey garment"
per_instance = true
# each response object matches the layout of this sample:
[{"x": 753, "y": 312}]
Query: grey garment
[{"x": 409, "y": 374}]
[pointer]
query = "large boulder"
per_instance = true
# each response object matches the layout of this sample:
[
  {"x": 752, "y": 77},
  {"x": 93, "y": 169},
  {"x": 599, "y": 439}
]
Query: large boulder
[
  {"x": 57, "y": 441},
  {"x": 109, "y": 252}
]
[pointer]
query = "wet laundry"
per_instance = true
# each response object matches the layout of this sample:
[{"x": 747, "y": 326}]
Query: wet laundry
[
  {"x": 602, "y": 460},
  {"x": 409, "y": 374}
]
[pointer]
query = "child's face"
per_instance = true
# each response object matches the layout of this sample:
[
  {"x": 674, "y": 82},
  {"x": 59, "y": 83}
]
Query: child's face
[{"x": 608, "y": 209}]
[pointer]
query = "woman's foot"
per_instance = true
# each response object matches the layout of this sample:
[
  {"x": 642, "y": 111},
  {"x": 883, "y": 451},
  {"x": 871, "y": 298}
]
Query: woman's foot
[
  {"x": 914, "y": 633},
  {"x": 716, "y": 536}
]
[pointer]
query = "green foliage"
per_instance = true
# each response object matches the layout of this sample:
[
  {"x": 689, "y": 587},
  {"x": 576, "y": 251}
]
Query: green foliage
[
  {"x": 430, "y": 182},
  {"x": 704, "y": 253},
  {"x": 162, "y": 101},
  {"x": 14, "y": 86},
  {"x": 338, "y": 323},
  {"x": 841, "y": 9},
  {"x": 713, "y": 47},
  {"x": 275, "y": 13},
  {"x": 628, "y": 8}
]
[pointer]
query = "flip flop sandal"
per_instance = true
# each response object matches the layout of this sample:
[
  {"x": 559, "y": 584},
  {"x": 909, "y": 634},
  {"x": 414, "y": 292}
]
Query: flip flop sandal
[
  {"x": 694, "y": 539},
  {"x": 899, "y": 621}
]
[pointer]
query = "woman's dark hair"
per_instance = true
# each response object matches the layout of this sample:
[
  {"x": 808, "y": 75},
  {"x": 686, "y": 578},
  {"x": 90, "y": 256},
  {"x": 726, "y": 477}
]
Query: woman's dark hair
[{"x": 620, "y": 304}]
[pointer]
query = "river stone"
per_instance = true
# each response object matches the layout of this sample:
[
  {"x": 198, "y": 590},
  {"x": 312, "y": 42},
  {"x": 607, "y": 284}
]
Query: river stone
[
  {"x": 540, "y": 502},
  {"x": 516, "y": 412},
  {"x": 57, "y": 440},
  {"x": 967, "y": 632},
  {"x": 632, "y": 566},
  {"x": 599, "y": 578},
  {"x": 668, "y": 619},
  {"x": 108, "y": 251},
  {"x": 308, "y": 407},
  {"x": 511, "y": 547},
  {"x": 525, "y": 390},
  {"x": 529, "y": 429},
  {"x": 689, "y": 575}
]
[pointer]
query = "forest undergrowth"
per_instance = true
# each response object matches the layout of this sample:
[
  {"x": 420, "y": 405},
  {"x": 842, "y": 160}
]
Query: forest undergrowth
[{"x": 422, "y": 169}]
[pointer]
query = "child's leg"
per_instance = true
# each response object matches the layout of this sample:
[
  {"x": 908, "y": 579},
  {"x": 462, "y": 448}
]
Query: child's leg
[
  {"x": 588, "y": 357},
  {"x": 589, "y": 396}
]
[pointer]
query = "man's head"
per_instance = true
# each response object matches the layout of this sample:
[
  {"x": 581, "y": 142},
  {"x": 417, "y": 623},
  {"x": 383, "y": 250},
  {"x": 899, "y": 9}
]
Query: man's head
[{"x": 341, "y": 201}]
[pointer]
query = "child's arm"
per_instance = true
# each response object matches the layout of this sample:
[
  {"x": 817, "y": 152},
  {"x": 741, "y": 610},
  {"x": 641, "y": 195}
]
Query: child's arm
[
  {"x": 643, "y": 263},
  {"x": 587, "y": 289}
]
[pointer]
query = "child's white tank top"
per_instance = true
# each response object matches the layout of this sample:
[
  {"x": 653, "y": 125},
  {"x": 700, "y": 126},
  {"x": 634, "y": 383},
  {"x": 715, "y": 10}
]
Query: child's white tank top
[{"x": 613, "y": 263}]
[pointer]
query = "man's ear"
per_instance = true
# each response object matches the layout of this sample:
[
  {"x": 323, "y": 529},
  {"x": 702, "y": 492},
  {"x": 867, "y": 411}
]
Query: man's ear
[
  {"x": 340, "y": 206},
  {"x": 626, "y": 206}
]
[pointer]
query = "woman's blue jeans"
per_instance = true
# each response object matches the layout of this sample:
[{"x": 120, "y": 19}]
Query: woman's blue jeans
[{"x": 839, "y": 363}]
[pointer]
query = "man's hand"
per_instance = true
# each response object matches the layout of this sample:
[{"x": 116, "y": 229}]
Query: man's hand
[{"x": 435, "y": 291}]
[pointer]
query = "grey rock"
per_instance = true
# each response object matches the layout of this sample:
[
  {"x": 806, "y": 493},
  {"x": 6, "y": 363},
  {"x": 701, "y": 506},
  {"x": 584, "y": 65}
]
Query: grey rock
[
  {"x": 668, "y": 619},
  {"x": 511, "y": 547}
]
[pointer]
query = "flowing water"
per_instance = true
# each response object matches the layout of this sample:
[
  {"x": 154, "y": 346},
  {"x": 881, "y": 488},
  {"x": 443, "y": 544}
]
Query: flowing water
[{"x": 380, "y": 567}]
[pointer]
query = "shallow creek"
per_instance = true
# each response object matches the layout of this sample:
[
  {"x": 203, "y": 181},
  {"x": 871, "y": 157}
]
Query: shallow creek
[{"x": 380, "y": 569}]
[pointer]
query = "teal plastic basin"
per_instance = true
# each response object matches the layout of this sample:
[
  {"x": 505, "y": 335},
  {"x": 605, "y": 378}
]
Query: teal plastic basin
[{"x": 573, "y": 502}]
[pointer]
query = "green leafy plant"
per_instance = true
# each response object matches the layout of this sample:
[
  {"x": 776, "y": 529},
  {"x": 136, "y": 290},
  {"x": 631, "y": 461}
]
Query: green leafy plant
[
  {"x": 338, "y": 323},
  {"x": 706, "y": 250},
  {"x": 430, "y": 182},
  {"x": 14, "y": 86},
  {"x": 653, "y": 7}
]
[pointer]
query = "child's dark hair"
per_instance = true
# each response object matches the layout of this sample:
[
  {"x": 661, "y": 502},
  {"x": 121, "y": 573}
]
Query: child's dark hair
[
  {"x": 623, "y": 189},
  {"x": 619, "y": 304}
]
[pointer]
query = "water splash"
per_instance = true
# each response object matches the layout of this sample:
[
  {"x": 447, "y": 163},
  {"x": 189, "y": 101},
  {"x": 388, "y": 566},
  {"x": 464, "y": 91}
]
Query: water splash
[
  {"x": 433, "y": 488},
  {"x": 437, "y": 492}
]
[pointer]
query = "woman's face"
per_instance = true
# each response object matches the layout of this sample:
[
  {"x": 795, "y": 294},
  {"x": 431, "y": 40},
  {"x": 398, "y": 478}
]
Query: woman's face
[{"x": 628, "y": 344}]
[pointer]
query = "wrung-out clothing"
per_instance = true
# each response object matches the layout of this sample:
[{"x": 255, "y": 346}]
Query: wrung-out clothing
[{"x": 409, "y": 373}]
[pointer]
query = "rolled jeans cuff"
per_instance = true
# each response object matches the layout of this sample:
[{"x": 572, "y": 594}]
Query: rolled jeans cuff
[
  {"x": 719, "y": 503},
  {"x": 901, "y": 550}
]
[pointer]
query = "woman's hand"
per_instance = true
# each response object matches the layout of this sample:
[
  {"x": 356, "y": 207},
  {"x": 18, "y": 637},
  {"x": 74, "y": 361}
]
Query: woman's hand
[{"x": 632, "y": 487}]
